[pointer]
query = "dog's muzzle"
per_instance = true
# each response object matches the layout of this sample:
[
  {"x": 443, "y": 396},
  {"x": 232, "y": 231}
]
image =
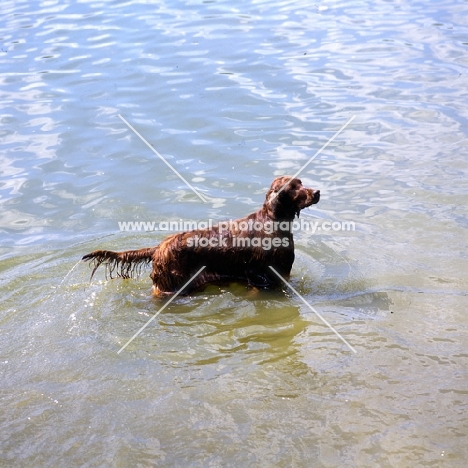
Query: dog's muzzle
[{"x": 316, "y": 197}]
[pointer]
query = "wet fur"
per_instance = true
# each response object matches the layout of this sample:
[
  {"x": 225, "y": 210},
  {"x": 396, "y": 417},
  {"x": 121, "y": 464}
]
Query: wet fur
[{"x": 175, "y": 261}]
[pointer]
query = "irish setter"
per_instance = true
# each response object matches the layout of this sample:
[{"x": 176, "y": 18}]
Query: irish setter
[{"x": 240, "y": 250}]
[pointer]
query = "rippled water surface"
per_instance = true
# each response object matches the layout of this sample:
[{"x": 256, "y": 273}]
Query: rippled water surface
[{"x": 233, "y": 94}]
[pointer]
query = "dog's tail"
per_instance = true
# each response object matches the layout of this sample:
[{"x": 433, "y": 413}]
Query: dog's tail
[{"x": 126, "y": 264}]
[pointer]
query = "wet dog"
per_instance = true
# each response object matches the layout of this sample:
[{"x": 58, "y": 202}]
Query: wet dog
[{"x": 242, "y": 250}]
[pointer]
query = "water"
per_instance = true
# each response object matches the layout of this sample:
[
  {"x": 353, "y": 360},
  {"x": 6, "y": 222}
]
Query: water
[{"x": 233, "y": 96}]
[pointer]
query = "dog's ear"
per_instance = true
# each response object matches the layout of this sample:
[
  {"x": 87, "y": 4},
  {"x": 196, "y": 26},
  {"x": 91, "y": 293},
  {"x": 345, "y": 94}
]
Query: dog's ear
[
  {"x": 271, "y": 202},
  {"x": 279, "y": 204},
  {"x": 288, "y": 198}
]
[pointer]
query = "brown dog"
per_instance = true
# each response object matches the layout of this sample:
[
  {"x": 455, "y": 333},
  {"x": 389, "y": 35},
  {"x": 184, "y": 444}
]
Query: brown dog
[{"x": 240, "y": 250}]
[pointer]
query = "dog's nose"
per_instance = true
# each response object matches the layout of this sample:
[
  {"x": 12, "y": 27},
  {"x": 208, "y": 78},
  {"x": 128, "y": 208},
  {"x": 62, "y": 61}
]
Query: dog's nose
[{"x": 316, "y": 196}]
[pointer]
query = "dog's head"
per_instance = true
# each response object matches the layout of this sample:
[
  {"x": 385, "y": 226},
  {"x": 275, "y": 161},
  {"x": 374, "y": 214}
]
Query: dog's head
[{"x": 287, "y": 197}]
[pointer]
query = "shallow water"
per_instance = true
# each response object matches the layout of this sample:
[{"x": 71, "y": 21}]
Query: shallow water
[{"x": 233, "y": 96}]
